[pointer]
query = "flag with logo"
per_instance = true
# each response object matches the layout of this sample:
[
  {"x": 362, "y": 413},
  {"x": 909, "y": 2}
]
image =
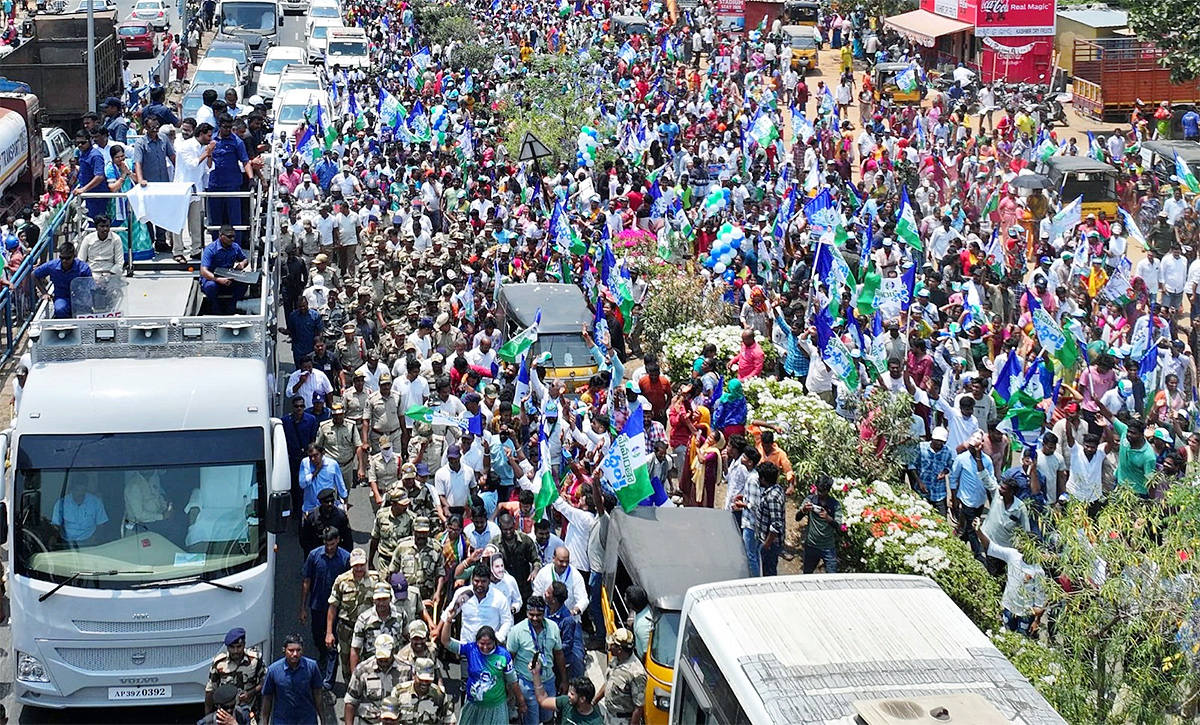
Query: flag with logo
[
  {"x": 906, "y": 222},
  {"x": 833, "y": 351},
  {"x": 425, "y": 414},
  {"x": 1185, "y": 175},
  {"x": 547, "y": 490},
  {"x": 1067, "y": 218},
  {"x": 764, "y": 132},
  {"x": 520, "y": 343},
  {"x": 625, "y": 468}
]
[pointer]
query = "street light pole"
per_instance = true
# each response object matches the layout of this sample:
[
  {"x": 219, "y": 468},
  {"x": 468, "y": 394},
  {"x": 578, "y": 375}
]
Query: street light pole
[{"x": 91, "y": 54}]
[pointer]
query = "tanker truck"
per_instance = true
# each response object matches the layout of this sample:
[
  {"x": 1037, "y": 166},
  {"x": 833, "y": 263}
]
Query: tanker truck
[{"x": 22, "y": 168}]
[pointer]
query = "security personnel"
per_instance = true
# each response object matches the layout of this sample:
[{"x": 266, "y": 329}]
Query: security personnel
[
  {"x": 373, "y": 680},
  {"x": 351, "y": 349},
  {"x": 243, "y": 668},
  {"x": 351, "y": 596},
  {"x": 392, "y": 523},
  {"x": 382, "y": 618},
  {"x": 342, "y": 441},
  {"x": 383, "y": 412},
  {"x": 422, "y": 561},
  {"x": 383, "y": 471},
  {"x": 420, "y": 701},
  {"x": 355, "y": 397},
  {"x": 326, "y": 514},
  {"x": 225, "y": 702},
  {"x": 422, "y": 501},
  {"x": 418, "y": 646},
  {"x": 624, "y": 688}
]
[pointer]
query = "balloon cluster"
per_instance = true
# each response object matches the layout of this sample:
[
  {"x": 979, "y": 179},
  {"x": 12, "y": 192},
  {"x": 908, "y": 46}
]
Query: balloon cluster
[
  {"x": 587, "y": 144},
  {"x": 730, "y": 239}
]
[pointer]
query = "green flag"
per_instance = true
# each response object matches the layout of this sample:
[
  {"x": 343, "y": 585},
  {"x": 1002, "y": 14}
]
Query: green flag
[
  {"x": 866, "y": 296},
  {"x": 520, "y": 343}
]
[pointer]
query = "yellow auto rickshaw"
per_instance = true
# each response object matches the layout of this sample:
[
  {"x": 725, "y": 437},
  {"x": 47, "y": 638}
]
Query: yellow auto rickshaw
[
  {"x": 1081, "y": 176},
  {"x": 803, "y": 44},
  {"x": 666, "y": 551},
  {"x": 889, "y": 78},
  {"x": 565, "y": 314}
]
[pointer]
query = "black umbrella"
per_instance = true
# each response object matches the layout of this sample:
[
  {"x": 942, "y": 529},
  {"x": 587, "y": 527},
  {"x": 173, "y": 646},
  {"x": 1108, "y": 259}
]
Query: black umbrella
[{"x": 1031, "y": 181}]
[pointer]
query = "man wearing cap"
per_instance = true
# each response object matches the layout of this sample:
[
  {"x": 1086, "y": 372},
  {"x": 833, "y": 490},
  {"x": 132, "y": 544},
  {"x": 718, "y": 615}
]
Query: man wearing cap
[
  {"x": 350, "y": 596},
  {"x": 342, "y": 440},
  {"x": 383, "y": 412},
  {"x": 382, "y": 618},
  {"x": 351, "y": 349},
  {"x": 383, "y": 471},
  {"x": 423, "y": 499},
  {"x": 393, "y": 523},
  {"x": 355, "y": 397},
  {"x": 226, "y": 710},
  {"x": 238, "y": 667},
  {"x": 418, "y": 646},
  {"x": 421, "y": 701},
  {"x": 421, "y": 560},
  {"x": 624, "y": 688},
  {"x": 934, "y": 459},
  {"x": 373, "y": 680},
  {"x": 326, "y": 514}
]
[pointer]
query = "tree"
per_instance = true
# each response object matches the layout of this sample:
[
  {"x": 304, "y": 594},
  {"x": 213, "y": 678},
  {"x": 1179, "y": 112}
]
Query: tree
[
  {"x": 1121, "y": 647},
  {"x": 553, "y": 100},
  {"x": 1174, "y": 26}
]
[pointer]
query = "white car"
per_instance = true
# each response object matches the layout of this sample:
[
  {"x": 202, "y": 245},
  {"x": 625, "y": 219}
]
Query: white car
[
  {"x": 98, "y": 6},
  {"x": 317, "y": 33},
  {"x": 219, "y": 74},
  {"x": 347, "y": 48},
  {"x": 154, "y": 12},
  {"x": 326, "y": 9},
  {"x": 278, "y": 59},
  {"x": 293, "y": 6},
  {"x": 56, "y": 144},
  {"x": 295, "y": 106}
]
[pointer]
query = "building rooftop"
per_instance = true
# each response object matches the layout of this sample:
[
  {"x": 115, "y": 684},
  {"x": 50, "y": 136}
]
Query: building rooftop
[{"x": 1096, "y": 16}]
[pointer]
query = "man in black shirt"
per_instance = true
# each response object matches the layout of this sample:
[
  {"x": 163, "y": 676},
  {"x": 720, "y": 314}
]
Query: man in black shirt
[{"x": 325, "y": 514}]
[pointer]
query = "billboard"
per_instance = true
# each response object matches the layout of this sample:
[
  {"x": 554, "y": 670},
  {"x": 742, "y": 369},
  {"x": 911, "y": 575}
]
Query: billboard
[
  {"x": 731, "y": 15},
  {"x": 1014, "y": 18}
]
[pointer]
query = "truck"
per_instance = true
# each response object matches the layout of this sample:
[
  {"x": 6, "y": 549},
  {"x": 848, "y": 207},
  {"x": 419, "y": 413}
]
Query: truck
[
  {"x": 255, "y": 21},
  {"x": 1112, "y": 74},
  {"x": 22, "y": 165},
  {"x": 159, "y": 416},
  {"x": 54, "y": 65}
]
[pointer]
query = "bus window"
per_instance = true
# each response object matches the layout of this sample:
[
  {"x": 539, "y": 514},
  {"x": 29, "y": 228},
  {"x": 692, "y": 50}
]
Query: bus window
[{"x": 725, "y": 705}]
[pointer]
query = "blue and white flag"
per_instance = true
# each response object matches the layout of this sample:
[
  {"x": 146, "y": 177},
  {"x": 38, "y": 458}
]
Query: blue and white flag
[
  {"x": 627, "y": 54},
  {"x": 422, "y": 58},
  {"x": 821, "y": 213}
]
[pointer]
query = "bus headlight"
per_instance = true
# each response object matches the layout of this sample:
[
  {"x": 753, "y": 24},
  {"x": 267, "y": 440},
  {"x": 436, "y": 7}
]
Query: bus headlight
[
  {"x": 662, "y": 699},
  {"x": 30, "y": 669}
]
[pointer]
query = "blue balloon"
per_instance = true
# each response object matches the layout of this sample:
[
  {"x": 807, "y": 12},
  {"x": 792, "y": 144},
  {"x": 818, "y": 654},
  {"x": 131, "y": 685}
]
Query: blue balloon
[
  {"x": 736, "y": 243},
  {"x": 726, "y": 192}
]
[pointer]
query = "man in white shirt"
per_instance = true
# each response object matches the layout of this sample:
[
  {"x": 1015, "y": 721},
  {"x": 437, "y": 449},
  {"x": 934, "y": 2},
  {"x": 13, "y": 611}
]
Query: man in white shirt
[
  {"x": 193, "y": 161},
  {"x": 960, "y": 422},
  {"x": 309, "y": 383},
  {"x": 579, "y": 528},
  {"x": 454, "y": 483},
  {"x": 102, "y": 250},
  {"x": 483, "y": 355},
  {"x": 326, "y": 223},
  {"x": 481, "y": 605},
  {"x": 560, "y": 570},
  {"x": 1173, "y": 277},
  {"x": 1085, "y": 481},
  {"x": 1150, "y": 270}
]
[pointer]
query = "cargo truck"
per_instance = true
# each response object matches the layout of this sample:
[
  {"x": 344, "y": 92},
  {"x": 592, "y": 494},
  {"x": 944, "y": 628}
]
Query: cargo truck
[{"x": 22, "y": 166}]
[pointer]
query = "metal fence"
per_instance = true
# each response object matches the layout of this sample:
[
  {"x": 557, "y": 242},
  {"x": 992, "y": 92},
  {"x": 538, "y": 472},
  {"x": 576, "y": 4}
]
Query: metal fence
[{"x": 19, "y": 300}]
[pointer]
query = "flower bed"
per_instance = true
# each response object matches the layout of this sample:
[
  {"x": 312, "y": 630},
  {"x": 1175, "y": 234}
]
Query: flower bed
[
  {"x": 894, "y": 531},
  {"x": 683, "y": 344}
]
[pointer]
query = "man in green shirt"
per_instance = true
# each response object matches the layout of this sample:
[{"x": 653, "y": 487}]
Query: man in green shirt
[
  {"x": 824, "y": 518},
  {"x": 1136, "y": 460},
  {"x": 576, "y": 707}
]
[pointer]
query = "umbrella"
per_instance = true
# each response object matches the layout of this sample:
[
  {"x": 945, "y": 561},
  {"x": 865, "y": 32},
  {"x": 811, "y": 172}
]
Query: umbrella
[{"x": 1031, "y": 181}]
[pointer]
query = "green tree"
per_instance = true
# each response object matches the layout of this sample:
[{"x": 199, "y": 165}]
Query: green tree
[
  {"x": 1174, "y": 26},
  {"x": 553, "y": 100}
]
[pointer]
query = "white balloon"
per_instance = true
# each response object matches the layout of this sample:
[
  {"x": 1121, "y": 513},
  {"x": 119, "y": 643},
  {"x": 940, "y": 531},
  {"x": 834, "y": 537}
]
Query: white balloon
[{"x": 719, "y": 268}]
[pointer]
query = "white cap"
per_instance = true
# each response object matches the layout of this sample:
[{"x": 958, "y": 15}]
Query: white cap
[{"x": 941, "y": 434}]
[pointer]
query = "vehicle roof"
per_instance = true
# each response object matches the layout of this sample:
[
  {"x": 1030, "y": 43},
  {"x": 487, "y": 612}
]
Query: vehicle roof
[
  {"x": 301, "y": 96},
  {"x": 797, "y": 30},
  {"x": 354, "y": 31},
  {"x": 1079, "y": 163},
  {"x": 159, "y": 3},
  {"x": 891, "y": 66},
  {"x": 133, "y": 21},
  {"x": 1187, "y": 150},
  {"x": 215, "y": 63},
  {"x": 650, "y": 541},
  {"x": 335, "y": 22},
  {"x": 124, "y": 395},
  {"x": 297, "y": 69},
  {"x": 629, "y": 19},
  {"x": 812, "y": 645},
  {"x": 286, "y": 51},
  {"x": 563, "y": 306}
]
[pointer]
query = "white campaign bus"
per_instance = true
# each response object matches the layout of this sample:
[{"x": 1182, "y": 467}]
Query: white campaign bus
[
  {"x": 849, "y": 649},
  {"x": 146, "y": 482}
]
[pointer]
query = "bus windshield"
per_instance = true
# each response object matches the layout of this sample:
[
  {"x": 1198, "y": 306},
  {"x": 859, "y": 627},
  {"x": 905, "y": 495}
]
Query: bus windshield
[
  {"x": 136, "y": 508},
  {"x": 248, "y": 16}
]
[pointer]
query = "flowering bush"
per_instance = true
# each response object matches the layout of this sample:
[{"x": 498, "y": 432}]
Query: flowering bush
[
  {"x": 674, "y": 300},
  {"x": 683, "y": 344},
  {"x": 896, "y": 532}
]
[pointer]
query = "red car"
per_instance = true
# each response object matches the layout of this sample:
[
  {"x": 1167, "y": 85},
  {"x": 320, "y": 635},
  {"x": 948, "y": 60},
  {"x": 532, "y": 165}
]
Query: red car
[{"x": 138, "y": 37}]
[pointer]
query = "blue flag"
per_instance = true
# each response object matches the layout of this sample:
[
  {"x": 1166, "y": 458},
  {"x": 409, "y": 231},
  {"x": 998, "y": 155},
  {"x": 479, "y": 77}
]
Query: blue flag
[
  {"x": 1009, "y": 378},
  {"x": 910, "y": 286}
]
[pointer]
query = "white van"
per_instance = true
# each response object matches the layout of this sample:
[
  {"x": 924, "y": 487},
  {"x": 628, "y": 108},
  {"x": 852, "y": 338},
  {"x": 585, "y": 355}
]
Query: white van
[
  {"x": 317, "y": 33},
  {"x": 278, "y": 58},
  {"x": 347, "y": 48}
]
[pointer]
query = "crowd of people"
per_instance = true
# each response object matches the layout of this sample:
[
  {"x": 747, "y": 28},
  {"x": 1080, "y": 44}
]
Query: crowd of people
[{"x": 1045, "y": 351}]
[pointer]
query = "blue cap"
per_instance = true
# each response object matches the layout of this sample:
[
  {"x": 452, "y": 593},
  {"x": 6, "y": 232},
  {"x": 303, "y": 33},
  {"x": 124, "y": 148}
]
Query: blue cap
[
  {"x": 234, "y": 635},
  {"x": 422, "y": 469}
]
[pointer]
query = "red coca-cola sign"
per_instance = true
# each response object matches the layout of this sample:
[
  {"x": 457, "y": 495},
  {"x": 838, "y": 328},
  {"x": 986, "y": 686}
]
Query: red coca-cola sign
[{"x": 1014, "y": 18}]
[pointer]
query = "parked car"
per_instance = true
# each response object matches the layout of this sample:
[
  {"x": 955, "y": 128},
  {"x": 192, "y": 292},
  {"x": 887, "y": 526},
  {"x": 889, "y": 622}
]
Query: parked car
[
  {"x": 138, "y": 36},
  {"x": 278, "y": 59},
  {"x": 56, "y": 144},
  {"x": 154, "y": 12},
  {"x": 236, "y": 49},
  {"x": 317, "y": 34}
]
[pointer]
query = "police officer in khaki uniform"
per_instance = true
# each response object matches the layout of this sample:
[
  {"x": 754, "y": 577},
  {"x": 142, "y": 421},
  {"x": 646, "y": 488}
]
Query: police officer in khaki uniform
[
  {"x": 393, "y": 522},
  {"x": 355, "y": 397},
  {"x": 418, "y": 646},
  {"x": 383, "y": 412},
  {"x": 624, "y": 688},
  {"x": 237, "y": 666},
  {"x": 421, "y": 701},
  {"x": 422, "y": 561},
  {"x": 422, "y": 500},
  {"x": 351, "y": 596},
  {"x": 383, "y": 471},
  {"x": 342, "y": 441},
  {"x": 382, "y": 618},
  {"x": 373, "y": 680},
  {"x": 351, "y": 349}
]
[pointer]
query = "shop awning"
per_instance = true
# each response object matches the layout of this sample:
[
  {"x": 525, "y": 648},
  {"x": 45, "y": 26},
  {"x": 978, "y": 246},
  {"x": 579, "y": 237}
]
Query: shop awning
[{"x": 924, "y": 27}]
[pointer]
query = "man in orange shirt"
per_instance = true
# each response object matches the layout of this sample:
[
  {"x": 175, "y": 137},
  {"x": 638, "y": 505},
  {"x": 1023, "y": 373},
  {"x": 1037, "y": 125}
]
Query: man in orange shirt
[{"x": 764, "y": 433}]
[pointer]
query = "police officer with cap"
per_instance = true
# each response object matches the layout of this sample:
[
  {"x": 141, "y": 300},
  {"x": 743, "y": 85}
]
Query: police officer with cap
[
  {"x": 420, "y": 701},
  {"x": 241, "y": 668},
  {"x": 326, "y": 514},
  {"x": 372, "y": 680},
  {"x": 226, "y": 711},
  {"x": 624, "y": 688}
]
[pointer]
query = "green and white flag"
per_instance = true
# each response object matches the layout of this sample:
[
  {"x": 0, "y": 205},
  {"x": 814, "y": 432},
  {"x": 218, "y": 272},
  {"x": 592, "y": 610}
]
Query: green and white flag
[
  {"x": 625, "y": 467},
  {"x": 520, "y": 343},
  {"x": 425, "y": 414},
  {"x": 906, "y": 223},
  {"x": 764, "y": 131},
  {"x": 1185, "y": 175},
  {"x": 1046, "y": 150},
  {"x": 547, "y": 492}
]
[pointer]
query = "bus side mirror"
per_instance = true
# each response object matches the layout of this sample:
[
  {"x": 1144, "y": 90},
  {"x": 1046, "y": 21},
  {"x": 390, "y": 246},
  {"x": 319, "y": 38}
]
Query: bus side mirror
[
  {"x": 279, "y": 508},
  {"x": 281, "y": 20}
]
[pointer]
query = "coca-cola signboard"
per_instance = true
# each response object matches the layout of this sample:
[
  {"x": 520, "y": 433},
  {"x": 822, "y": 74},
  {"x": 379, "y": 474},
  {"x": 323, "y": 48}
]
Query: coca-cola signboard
[{"x": 1014, "y": 18}]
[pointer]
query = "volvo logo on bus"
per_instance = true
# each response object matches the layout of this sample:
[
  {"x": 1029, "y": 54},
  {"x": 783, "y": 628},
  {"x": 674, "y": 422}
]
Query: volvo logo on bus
[
  {"x": 141, "y": 615},
  {"x": 138, "y": 680},
  {"x": 139, "y": 657}
]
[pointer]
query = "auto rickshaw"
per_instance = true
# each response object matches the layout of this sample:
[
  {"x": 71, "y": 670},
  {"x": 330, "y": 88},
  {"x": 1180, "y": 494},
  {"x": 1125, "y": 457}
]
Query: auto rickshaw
[
  {"x": 800, "y": 12},
  {"x": 666, "y": 551},
  {"x": 886, "y": 75},
  {"x": 803, "y": 44},
  {"x": 1158, "y": 157},
  {"x": 565, "y": 315},
  {"x": 1081, "y": 176}
]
